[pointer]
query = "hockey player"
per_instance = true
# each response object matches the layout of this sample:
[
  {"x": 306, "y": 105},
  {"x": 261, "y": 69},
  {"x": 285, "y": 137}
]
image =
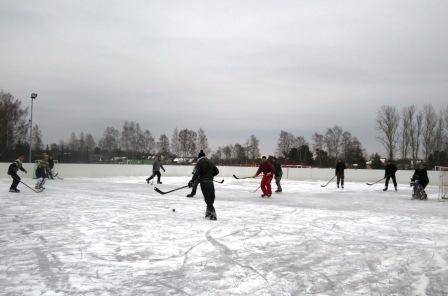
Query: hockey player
[
  {"x": 12, "y": 171},
  {"x": 42, "y": 172},
  {"x": 420, "y": 180},
  {"x": 339, "y": 171},
  {"x": 268, "y": 171},
  {"x": 156, "y": 166},
  {"x": 278, "y": 173},
  {"x": 196, "y": 184},
  {"x": 204, "y": 173},
  {"x": 390, "y": 171},
  {"x": 50, "y": 167}
]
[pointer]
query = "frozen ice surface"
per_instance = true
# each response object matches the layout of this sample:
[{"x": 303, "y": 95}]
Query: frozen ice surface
[{"x": 116, "y": 236}]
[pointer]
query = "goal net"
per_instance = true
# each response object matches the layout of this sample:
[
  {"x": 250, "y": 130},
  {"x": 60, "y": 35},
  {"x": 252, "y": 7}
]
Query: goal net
[{"x": 443, "y": 182}]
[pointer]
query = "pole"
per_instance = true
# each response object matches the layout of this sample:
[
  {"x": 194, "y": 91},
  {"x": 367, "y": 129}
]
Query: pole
[
  {"x": 33, "y": 96},
  {"x": 31, "y": 131}
]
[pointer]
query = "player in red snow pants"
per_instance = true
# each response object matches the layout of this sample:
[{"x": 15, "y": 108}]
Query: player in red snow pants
[{"x": 268, "y": 171}]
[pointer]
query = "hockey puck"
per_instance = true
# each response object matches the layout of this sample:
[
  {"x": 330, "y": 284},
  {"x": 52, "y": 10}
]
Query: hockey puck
[{"x": 174, "y": 210}]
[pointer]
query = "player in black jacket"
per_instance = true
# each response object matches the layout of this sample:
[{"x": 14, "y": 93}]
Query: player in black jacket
[
  {"x": 419, "y": 181},
  {"x": 340, "y": 167},
  {"x": 278, "y": 173},
  {"x": 204, "y": 173},
  {"x": 12, "y": 171},
  {"x": 390, "y": 171}
]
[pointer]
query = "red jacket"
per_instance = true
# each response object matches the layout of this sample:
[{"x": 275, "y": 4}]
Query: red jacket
[{"x": 266, "y": 168}]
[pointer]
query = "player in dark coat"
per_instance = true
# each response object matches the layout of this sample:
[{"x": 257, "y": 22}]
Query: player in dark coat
[
  {"x": 156, "y": 166},
  {"x": 278, "y": 173},
  {"x": 196, "y": 184},
  {"x": 42, "y": 172},
  {"x": 12, "y": 171},
  {"x": 339, "y": 171},
  {"x": 390, "y": 171},
  {"x": 50, "y": 167},
  {"x": 421, "y": 175},
  {"x": 268, "y": 171},
  {"x": 204, "y": 173}
]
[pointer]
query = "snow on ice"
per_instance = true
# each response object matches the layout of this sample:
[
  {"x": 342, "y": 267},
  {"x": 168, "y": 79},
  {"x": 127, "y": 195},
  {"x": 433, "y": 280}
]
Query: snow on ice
[{"x": 117, "y": 236}]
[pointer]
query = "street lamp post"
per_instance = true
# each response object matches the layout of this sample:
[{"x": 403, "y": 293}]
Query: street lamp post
[{"x": 33, "y": 96}]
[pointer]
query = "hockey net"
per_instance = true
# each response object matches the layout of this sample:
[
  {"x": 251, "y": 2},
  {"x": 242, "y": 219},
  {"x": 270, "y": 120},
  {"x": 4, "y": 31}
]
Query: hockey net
[{"x": 443, "y": 182}]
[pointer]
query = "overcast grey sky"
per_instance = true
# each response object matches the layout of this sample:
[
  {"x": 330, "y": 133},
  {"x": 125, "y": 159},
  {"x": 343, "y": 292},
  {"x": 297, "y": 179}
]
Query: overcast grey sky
[{"x": 234, "y": 68}]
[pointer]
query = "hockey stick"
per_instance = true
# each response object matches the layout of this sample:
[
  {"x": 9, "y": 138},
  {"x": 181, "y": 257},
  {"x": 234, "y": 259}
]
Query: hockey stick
[
  {"x": 240, "y": 178},
  {"x": 220, "y": 182},
  {"x": 35, "y": 190},
  {"x": 166, "y": 192},
  {"x": 370, "y": 184},
  {"x": 328, "y": 182},
  {"x": 257, "y": 188}
]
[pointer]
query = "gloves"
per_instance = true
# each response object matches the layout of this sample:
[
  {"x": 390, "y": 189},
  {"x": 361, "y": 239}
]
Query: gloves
[{"x": 190, "y": 184}]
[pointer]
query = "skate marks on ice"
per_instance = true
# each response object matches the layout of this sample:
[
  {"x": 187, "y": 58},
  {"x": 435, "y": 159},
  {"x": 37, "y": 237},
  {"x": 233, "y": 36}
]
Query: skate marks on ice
[{"x": 93, "y": 237}]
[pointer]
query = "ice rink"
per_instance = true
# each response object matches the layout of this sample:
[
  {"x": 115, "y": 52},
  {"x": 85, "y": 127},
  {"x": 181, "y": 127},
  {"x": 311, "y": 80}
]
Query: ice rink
[{"x": 117, "y": 236}]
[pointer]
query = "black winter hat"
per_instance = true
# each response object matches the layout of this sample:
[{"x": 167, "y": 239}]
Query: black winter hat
[{"x": 201, "y": 154}]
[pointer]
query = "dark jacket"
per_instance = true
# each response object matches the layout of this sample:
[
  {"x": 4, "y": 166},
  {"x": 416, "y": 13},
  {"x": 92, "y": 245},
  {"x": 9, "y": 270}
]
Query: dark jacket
[
  {"x": 157, "y": 165},
  {"x": 340, "y": 167},
  {"x": 266, "y": 168},
  {"x": 278, "y": 168},
  {"x": 390, "y": 170},
  {"x": 205, "y": 170},
  {"x": 51, "y": 163},
  {"x": 421, "y": 175},
  {"x": 15, "y": 167}
]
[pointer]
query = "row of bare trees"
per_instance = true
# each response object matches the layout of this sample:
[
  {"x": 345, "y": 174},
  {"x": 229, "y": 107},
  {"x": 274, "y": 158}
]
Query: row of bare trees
[
  {"x": 238, "y": 153},
  {"x": 326, "y": 148},
  {"x": 135, "y": 142},
  {"x": 411, "y": 134}
]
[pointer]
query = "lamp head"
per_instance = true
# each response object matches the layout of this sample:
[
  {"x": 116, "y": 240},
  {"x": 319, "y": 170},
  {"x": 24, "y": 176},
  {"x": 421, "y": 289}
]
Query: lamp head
[{"x": 33, "y": 95}]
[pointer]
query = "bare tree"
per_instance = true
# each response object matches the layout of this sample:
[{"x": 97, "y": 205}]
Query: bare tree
[
  {"x": 429, "y": 125},
  {"x": 148, "y": 142},
  {"x": 175, "y": 147},
  {"x": 202, "y": 143},
  {"x": 252, "y": 149},
  {"x": 439, "y": 133},
  {"x": 318, "y": 142},
  {"x": 37, "y": 143},
  {"x": 239, "y": 153},
  {"x": 73, "y": 142},
  {"x": 13, "y": 123},
  {"x": 387, "y": 121},
  {"x": 164, "y": 145},
  {"x": 405, "y": 135},
  {"x": 90, "y": 142},
  {"x": 110, "y": 140},
  {"x": 346, "y": 144},
  {"x": 415, "y": 131},
  {"x": 128, "y": 136},
  {"x": 285, "y": 143},
  {"x": 227, "y": 151},
  {"x": 332, "y": 140},
  {"x": 445, "y": 138},
  {"x": 187, "y": 142}
]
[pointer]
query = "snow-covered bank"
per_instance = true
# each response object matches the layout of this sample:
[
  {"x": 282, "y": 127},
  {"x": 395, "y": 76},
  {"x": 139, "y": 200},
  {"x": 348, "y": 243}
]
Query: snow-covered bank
[
  {"x": 308, "y": 174},
  {"x": 116, "y": 236}
]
